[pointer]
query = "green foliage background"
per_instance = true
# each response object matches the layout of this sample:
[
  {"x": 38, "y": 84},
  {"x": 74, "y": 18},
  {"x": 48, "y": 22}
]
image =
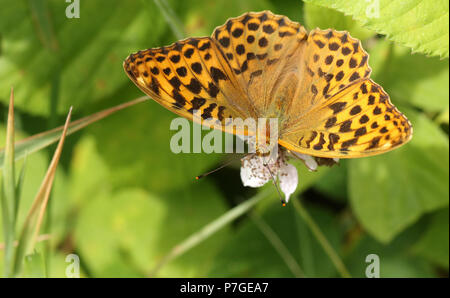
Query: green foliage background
[{"x": 122, "y": 199}]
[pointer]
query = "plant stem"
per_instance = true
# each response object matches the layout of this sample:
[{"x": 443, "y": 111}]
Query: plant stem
[
  {"x": 340, "y": 267},
  {"x": 171, "y": 18},
  {"x": 41, "y": 140},
  {"x": 42, "y": 237},
  {"x": 278, "y": 245},
  {"x": 8, "y": 191}
]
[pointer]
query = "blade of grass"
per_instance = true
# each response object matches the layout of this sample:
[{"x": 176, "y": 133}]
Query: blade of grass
[
  {"x": 44, "y": 139},
  {"x": 209, "y": 230},
  {"x": 8, "y": 193},
  {"x": 43, "y": 25},
  {"x": 279, "y": 246},
  {"x": 34, "y": 218},
  {"x": 19, "y": 186},
  {"x": 334, "y": 257},
  {"x": 305, "y": 245},
  {"x": 171, "y": 18},
  {"x": 52, "y": 122}
]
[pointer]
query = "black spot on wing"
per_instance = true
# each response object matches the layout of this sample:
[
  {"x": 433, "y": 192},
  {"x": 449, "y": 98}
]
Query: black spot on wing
[
  {"x": 194, "y": 86},
  {"x": 175, "y": 58},
  {"x": 197, "y": 102},
  {"x": 349, "y": 143},
  {"x": 154, "y": 85},
  {"x": 217, "y": 74},
  {"x": 175, "y": 82},
  {"x": 313, "y": 136},
  {"x": 321, "y": 142},
  {"x": 180, "y": 100},
  {"x": 207, "y": 111},
  {"x": 355, "y": 110},
  {"x": 333, "y": 139},
  {"x": 345, "y": 126},
  {"x": 330, "y": 122},
  {"x": 213, "y": 90},
  {"x": 337, "y": 107},
  {"x": 224, "y": 41},
  {"x": 237, "y": 32},
  {"x": 197, "y": 67}
]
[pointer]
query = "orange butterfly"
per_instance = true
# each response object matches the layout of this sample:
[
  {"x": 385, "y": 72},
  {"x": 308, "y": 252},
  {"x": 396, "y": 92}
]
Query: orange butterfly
[{"x": 261, "y": 65}]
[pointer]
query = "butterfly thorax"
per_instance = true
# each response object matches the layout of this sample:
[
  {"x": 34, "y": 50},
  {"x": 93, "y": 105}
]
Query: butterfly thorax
[{"x": 285, "y": 90}]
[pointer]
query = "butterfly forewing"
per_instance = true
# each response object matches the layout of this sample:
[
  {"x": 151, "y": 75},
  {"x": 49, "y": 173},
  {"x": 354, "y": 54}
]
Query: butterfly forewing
[
  {"x": 258, "y": 46},
  {"x": 188, "y": 76}
]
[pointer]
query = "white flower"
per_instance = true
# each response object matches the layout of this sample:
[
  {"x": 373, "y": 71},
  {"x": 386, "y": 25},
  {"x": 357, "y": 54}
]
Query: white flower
[{"x": 258, "y": 170}]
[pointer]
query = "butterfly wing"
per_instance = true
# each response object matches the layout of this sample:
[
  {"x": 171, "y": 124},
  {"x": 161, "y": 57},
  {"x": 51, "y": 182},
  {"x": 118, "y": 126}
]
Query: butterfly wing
[
  {"x": 341, "y": 112},
  {"x": 192, "y": 79},
  {"x": 264, "y": 65},
  {"x": 226, "y": 76},
  {"x": 257, "y": 47}
]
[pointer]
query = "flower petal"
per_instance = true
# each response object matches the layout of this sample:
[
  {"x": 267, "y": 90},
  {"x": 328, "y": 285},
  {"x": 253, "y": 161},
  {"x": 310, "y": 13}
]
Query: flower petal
[
  {"x": 288, "y": 179},
  {"x": 309, "y": 161},
  {"x": 253, "y": 171}
]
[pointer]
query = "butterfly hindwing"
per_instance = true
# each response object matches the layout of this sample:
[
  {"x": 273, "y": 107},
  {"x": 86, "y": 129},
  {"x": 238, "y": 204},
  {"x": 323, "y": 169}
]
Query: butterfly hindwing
[
  {"x": 331, "y": 61},
  {"x": 341, "y": 112},
  {"x": 358, "y": 121}
]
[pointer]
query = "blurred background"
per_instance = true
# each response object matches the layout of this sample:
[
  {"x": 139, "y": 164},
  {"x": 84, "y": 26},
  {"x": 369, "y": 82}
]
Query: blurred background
[{"x": 122, "y": 200}]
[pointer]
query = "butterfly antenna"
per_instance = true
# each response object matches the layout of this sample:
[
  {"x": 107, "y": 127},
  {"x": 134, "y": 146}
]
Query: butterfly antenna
[
  {"x": 283, "y": 202},
  {"x": 219, "y": 168}
]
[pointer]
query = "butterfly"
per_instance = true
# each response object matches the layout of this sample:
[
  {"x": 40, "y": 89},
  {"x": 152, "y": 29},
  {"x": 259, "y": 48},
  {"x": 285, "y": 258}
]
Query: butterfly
[
  {"x": 261, "y": 65},
  {"x": 264, "y": 65}
]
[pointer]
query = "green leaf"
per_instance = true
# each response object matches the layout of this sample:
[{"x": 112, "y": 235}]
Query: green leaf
[
  {"x": 418, "y": 24},
  {"x": 391, "y": 191},
  {"x": 88, "y": 57},
  {"x": 143, "y": 228},
  {"x": 324, "y": 18},
  {"x": 249, "y": 254},
  {"x": 411, "y": 79},
  {"x": 334, "y": 183},
  {"x": 208, "y": 230},
  {"x": 434, "y": 243},
  {"x": 443, "y": 117},
  {"x": 146, "y": 149},
  {"x": 84, "y": 182},
  {"x": 394, "y": 259},
  {"x": 126, "y": 231}
]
